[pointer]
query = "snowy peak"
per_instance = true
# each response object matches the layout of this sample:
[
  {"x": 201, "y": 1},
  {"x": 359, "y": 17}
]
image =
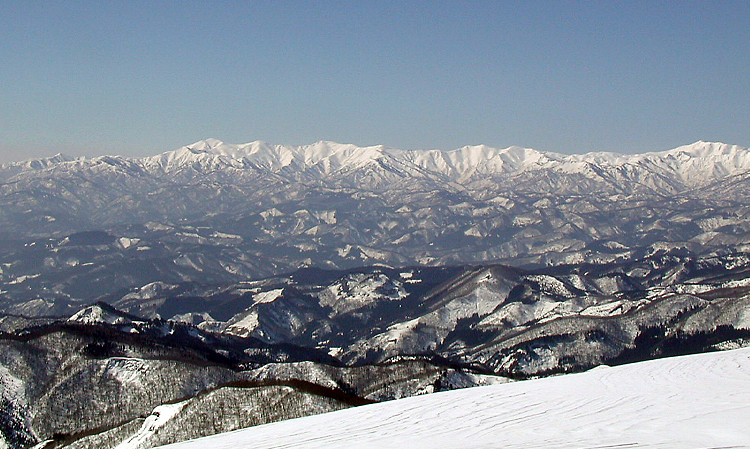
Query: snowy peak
[
  {"x": 201, "y": 153},
  {"x": 38, "y": 164},
  {"x": 697, "y": 163},
  {"x": 689, "y": 165},
  {"x": 100, "y": 313},
  {"x": 206, "y": 145},
  {"x": 215, "y": 147},
  {"x": 340, "y": 154},
  {"x": 708, "y": 150},
  {"x": 476, "y": 160},
  {"x": 666, "y": 172},
  {"x": 491, "y": 160},
  {"x": 720, "y": 158},
  {"x": 261, "y": 155}
]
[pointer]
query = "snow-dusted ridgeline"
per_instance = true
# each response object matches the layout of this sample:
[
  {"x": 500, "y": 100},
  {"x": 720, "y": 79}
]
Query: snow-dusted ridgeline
[
  {"x": 692, "y": 164},
  {"x": 695, "y": 401},
  {"x": 220, "y": 212},
  {"x": 689, "y": 165}
]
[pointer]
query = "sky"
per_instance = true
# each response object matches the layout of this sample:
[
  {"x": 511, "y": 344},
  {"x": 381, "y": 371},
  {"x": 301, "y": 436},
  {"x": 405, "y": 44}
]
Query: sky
[{"x": 138, "y": 78}]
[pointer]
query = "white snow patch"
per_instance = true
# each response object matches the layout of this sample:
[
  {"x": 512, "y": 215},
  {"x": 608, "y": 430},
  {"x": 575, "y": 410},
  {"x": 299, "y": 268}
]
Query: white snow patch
[
  {"x": 360, "y": 289},
  {"x": 152, "y": 424},
  {"x": 474, "y": 231},
  {"x": 22, "y": 279},
  {"x": 245, "y": 326},
  {"x": 520, "y": 221},
  {"x": 186, "y": 261},
  {"x": 12, "y": 387},
  {"x": 153, "y": 226},
  {"x": 222, "y": 235},
  {"x": 551, "y": 285},
  {"x": 612, "y": 308},
  {"x": 129, "y": 371},
  {"x": 373, "y": 253},
  {"x": 126, "y": 242},
  {"x": 691, "y": 289},
  {"x": 614, "y": 245},
  {"x": 268, "y": 297},
  {"x": 743, "y": 321},
  {"x": 273, "y": 212},
  {"x": 737, "y": 283},
  {"x": 344, "y": 252},
  {"x": 150, "y": 291}
]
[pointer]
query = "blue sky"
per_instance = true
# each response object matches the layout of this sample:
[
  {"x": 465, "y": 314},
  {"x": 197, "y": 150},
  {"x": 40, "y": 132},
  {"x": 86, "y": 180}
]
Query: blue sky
[{"x": 138, "y": 78}]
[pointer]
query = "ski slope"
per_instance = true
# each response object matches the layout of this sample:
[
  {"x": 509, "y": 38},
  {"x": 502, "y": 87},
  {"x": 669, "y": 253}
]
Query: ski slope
[{"x": 697, "y": 401}]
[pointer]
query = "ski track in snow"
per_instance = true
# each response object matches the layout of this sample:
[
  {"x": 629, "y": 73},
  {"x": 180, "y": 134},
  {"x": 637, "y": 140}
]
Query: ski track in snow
[{"x": 697, "y": 401}]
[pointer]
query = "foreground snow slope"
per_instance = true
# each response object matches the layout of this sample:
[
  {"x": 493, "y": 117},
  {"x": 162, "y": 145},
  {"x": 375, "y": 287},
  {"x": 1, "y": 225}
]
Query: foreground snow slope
[{"x": 692, "y": 401}]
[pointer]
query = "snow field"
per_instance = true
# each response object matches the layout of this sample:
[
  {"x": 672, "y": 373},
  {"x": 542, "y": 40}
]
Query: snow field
[{"x": 695, "y": 401}]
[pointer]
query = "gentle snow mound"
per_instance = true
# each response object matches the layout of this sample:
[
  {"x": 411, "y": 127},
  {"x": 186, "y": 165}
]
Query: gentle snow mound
[{"x": 687, "y": 402}]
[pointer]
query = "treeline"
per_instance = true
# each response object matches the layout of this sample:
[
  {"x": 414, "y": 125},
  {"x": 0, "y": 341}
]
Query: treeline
[{"x": 660, "y": 341}]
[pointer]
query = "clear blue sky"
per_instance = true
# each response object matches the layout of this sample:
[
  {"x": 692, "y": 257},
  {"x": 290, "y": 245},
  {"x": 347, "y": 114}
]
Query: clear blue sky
[{"x": 138, "y": 78}]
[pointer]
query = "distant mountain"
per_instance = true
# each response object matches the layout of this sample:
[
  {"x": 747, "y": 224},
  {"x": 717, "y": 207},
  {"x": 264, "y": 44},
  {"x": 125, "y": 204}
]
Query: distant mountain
[
  {"x": 498, "y": 319},
  {"x": 146, "y": 301},
  {"x": 224, "y": 213},
  {"x": 334, "y": 164},
  {"x": 691, "y": 165}
]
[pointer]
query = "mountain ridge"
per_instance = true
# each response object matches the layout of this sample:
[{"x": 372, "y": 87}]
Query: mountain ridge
[
  {"x": 691, "y": 164},
  {"x": 226, "y": 213},
  {"x": 459, "y": 164}
]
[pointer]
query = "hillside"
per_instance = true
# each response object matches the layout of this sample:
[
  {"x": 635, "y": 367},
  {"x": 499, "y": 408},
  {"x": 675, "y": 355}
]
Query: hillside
[{"x": 693, "y": 401}]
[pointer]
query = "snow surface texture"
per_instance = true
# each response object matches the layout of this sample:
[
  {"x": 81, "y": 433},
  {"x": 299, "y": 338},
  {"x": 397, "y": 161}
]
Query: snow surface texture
[{"x": 695, "y": 401}]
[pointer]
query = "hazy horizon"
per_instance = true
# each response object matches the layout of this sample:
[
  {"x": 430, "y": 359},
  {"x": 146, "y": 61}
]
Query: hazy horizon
[{"x": 138, "y": 79}]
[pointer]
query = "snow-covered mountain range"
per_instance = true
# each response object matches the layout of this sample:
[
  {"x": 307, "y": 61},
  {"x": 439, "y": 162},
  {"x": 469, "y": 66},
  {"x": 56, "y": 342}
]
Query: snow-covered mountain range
[
  {"x": 328, "y": 275},
  {"x": 226, "y": 212},
  {"x": 686, "y": 166},
  {"x": 231, "y": 356},
  {"x": 494, "y": 318}
]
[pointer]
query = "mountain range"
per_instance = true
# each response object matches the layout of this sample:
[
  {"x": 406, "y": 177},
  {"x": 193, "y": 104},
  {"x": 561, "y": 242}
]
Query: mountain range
[
  {"x": 226, "y": 213},
  {"x": 663, "y": 172},
  {"x": 147, "y": 301},
  {"x": 168, "y": 363}
]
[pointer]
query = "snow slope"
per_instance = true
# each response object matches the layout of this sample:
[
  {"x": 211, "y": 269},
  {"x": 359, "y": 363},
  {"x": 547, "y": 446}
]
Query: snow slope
[
  {"x": 692, "y": 401},
  {"x": 152, "y": 424}
]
